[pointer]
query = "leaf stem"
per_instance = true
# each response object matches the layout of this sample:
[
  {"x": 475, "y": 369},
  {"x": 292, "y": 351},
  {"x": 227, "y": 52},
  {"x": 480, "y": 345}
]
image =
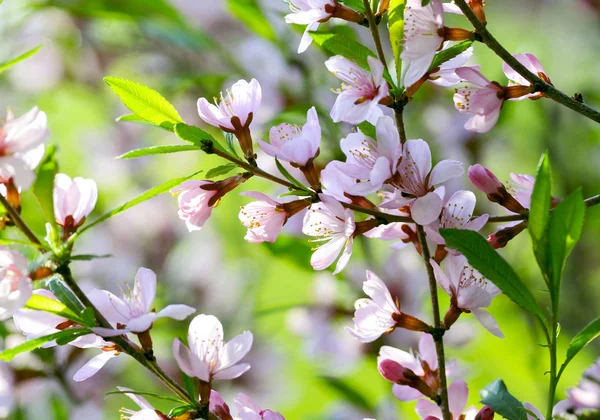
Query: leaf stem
[
  {"x": 19, "y": 222},
  {"x": 439, "y": 341},
  {"x": 540, "y": 85}
]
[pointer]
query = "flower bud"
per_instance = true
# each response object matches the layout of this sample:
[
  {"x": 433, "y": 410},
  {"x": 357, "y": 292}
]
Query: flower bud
[
  {"x": 500, "y": 238},
  {"x": 486, "y": 413},
  {"x": 485, "y": 181},
  {"x": 74, "y": 199},
  {"x": 395, "y": 372}
]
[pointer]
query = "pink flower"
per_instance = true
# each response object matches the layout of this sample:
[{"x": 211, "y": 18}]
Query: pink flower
[
  {"x": 236, "y": 109},
  {"x": 74, "y": 199},
  {"x": 295, "y": 144},
  {"x": 446, "y": 75},
  {"x": 456, "y": 214},
  {"x": 468, "y": 289},
  {"x": 23, "y": 134},
  {"x": 458, "y": 393},
  {"x": 496, "y": 192},
  {"x": 373, "y": 162},
  {"x": 587, "y": 393},
  {"x": 15, "y": 285},
  {"x": 249, "y": 410},
  {"x": 484, "y": 180},
  {"x": 147, "y": 412},
  {"x": 418, "y": 374},
  {"x": 330, "y": 222},
  {"x": 195, "y": 203},
  {"x": 416, "y": 182},
  {"x": 361, "y": 90},
  {"x": 7, "y": 390},
  {"x": 310, "y": 13},
  {"x": 134, "y": 312},
  {"x": 532, "y": 64},
  {"x": 208, "y": 357},
  {"x": 423, "y": 34},
  {"x": 523, "y": 188},
  {"x": 335, "y": 182},
  {"x": 264, "y": 218},
  {"x": 483, "y": 101}
]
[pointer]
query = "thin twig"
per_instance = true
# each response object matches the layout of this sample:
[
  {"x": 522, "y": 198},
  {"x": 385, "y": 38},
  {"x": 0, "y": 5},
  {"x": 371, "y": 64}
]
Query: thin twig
[
  {"x": 375, "y": 33},
  {"x": 19, "y": 222},
  {"x": 439, "y": 342},
  {"x": 540, "y": 85}
]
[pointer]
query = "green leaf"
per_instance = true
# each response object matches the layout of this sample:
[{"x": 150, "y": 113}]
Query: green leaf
[
  {"x": 180, "y": 411},
  {"x": 566, "y": 225},
  {"x": 582, "y": 339},
  {"x": 196, "y": 135},
  {"x": 144, "y": 102},
  {"x": 231, "y": 144},
  {"x": 88, "y": 317},
  {"x": 59, "y": 408},
  {"x": 132, "y": 118},
  {"x": 148, "y": 394},
  {"x": 251, "y": 15},
  {"x": 497, "y": 396},
  {"x": 8, "y": 64},
  {"x": 449, "y": 53},
  {"x": 88, "y": 257},
  {"x": 299, "y": 193},
  {"x": 349, "y": 393},
  {"x": 368, "y": 129},
  {"x": 425, "y": 2},
  {"x": 68, "y": 334},
  {"x": 190, "y": 384},
  {"x": 396, "y": 28},
  {"x": 43, "y": 303},
  {"x": 357, "y": 5},
  {"x": 489, "y": 263},
  {"x": 152, "y": 192},
  {"x": 539, "y": 213},
  {"x": 220, "y": 170},
  {"x": 288, "y": 176},
  {"x": 339, "y": 44},
  {"x": 64, "y": 294},
  {"x": 44, "y": 184},
  {"x": 157, "y": 150}
]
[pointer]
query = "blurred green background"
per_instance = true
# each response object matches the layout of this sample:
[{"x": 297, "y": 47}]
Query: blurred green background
[{"x": 304, "y": 364}]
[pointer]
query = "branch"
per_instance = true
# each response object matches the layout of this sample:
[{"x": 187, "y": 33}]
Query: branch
[
  {"x": 19, "y": 222},
  {"x": 540, "y": 85},
  {"x": 375, "y": 33}
]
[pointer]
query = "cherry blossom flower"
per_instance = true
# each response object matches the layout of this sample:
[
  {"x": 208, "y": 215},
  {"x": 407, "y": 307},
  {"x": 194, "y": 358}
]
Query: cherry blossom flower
[
  {"x": 74, "y": 199},
  {"x": 15, "y": 285},
  {"x": 416, "y": 182},
  {"x": 330, "y": 222},
  {"x": 423, "y": 34},
  {"x": 374, "y": 162},
  {"x": 235, "y": 109},
  {"x": 361, "y": 91},
  {"x": 208, "y": 357},
  {"x": 446, "y": 75},
  {"x": 310, "y": 13},
  {"x": 532, "y": 64},
  {"x": 265, "y": 218},
  {"x": 7, "y": 390},
  {"x": 483, "y": 101},
  {"x": 535, "y": 414},
  {"x": 134, "y": 312},
  {"x": 247, "y": 409},
  {"x": 469, "y": 291},
  {"x": 335, "y": 182},
  {"x": 414, "y": 376},
  {"x": 297, "y": 145},
  {"x": 147, "y": 412},
  {"x": 23, "y": 134},
  {"x": 380, "y": 314},
  {"x": 456, "y": 214},
  {"x": 458, "y": 393},
  {"x": 587, "y": 393},
  {"x": 485, "y": 181}
]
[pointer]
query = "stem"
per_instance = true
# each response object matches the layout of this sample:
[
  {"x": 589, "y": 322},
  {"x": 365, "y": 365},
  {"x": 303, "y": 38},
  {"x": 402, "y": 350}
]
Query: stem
[
  {"x": 375, "y": 33},
  {"x": 399, "y": 114},
  {"x": 540, "y": 85},
  {"x": 553, "y": 377},
  {"x": 19, "y": 222},
  {"x": 439, "y": 341},
  {"x": 124, "y": 343}
]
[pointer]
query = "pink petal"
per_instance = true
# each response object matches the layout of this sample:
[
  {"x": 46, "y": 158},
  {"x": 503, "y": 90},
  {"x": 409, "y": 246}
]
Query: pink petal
[
  {"x": 445, "y": 170},
  {"x": 235, "y": 350},
  {"x": 441, "y": 277},
  {"x": 427, "y": 350},
  {"x": 426, "y": 209},
  {"x": 183, "y": 357},
  {"x": 405, "y": 393},
  {"x": 232, "y": 372},
  {"x": 146, "y": 284},
  {"x": 93, "y": 366},
  {"x": 458, "y": 392},
  {"x": 488, "y": 321},
  {"x": 345, "y": 257},
  {"x": 178, "y": 312},
  {"x": 426, "y": 408}
]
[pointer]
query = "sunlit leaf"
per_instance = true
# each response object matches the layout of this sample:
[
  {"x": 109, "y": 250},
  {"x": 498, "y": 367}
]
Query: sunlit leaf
[
  {"x": 157, "y": 150},
  {"x": 58, "y": 287},
  {"x": 488, "y": 262},
  {"x": 144, "y": 102},
  {"x": 539, "y": 213},
  {"x": 496, "y": 395},
  {"x": 368, "y": 129},
  {"x": 43, "y": 303},
  {"x": 582, "y": 339},
  {"x": 220, "y": 170},
  {"x": 287, "y": 175},
  {"x": 449, "y": 53},
  {"x": 44, "y": 184},
  {"x": 396, "y": 28},
  {"x": 8, "y": 64},
  {"x": 196, "y": 135},
  {"x": 64, "y": 336}
]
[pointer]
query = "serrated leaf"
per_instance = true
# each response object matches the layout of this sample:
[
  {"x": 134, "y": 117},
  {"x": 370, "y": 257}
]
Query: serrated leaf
[
  {"x": 157, "y": 150},
  {"x": 8, "y": 64},
  {"x": 539, "y": 214},
  {"x": 64, "y": 336},
  {"x": 145, "y": 102},
  {"x": 151, "y": 193},
  {"x": 582, "y": 339},
  {"x": 44, "y": 184},
  {"x": 251, "y": 15},
  {"x": 220, "y": 170},
  {"x": 496, "y": 395},
  {"x": 287, "y": 175},
  {"x": 58, "y": 287},
  {"x": 449, "y": 53},
  {"x": 489, "y": 263},
  {"x": 196, "y": 135},
  {"x": 368, "y": 129},
  {"x": 339, "y": 44},
  {"x": 566, "y": 225},
  {"x": 46, "y": 304},
  {"x": 396, "y": 29}
]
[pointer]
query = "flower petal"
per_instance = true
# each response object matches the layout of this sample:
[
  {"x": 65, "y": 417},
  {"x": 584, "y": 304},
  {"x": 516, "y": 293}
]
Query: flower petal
[
  {"x": 426, "y": 209},
  {"x": 488, "y": 321},
  {"x": 93, "y": 366},
  {"x": 178, "y": 312},
  {"x": 233, "y": 372}
]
